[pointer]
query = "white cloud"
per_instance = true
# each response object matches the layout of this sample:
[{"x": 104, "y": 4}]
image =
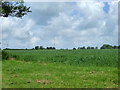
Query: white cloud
[
  {"x": 67, "y": 25},
  {"x": 34, "y": 40}
]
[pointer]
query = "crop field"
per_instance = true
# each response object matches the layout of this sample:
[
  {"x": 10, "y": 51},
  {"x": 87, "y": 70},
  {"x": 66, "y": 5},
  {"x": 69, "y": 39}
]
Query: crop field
[{"x": 60, "y": 68}]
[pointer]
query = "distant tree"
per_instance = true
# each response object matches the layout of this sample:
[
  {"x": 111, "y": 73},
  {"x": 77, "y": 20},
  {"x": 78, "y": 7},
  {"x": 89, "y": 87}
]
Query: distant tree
[
  {"x": 7, "y": 49},
  {"x": 32, "y": 48},
  {"x": 102, "y": 47},
  {"x": 14, "y": 9},
  {"x": 47, "y": 48},
  {"x": 88, "y": 47},
  {"x": 115, "y": 47},
  {"x": 96, "y": 47},
  {"x": 51, "y": 48},
  {"x": 74, "y": 48},
  {"x": 119, "y": 47},
  {"x": 36, "y": 47},
  {"x": 83, "y": 47},
  {"x": 106, "y": 46},
  {"x": 78, "y": 47},
  {"x": 92, "y": 47},
  {"x": 54, "y": 48},
  {"x": 41, "y": 47}
]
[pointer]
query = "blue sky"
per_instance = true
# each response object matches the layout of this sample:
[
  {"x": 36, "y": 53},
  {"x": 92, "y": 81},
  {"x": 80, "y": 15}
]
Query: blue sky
[
  {"x": 106, "y": 7},
  {"x": 66, "y": 25}
]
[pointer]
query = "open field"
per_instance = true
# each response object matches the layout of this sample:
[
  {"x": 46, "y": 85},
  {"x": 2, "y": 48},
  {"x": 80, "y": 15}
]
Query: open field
[
  {"x": 60, "y": 69},
  {"x": 67, "y": 57}
]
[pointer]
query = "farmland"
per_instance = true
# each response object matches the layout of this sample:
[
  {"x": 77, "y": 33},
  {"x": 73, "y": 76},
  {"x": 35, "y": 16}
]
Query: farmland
[{"x": 60, "y": 68}]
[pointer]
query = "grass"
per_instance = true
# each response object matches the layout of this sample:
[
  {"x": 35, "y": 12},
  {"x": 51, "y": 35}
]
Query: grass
[
  {"x": 60, "y": 69},
  {"x": 68, "y": 57},
  {"x": 18, "y": 74}
]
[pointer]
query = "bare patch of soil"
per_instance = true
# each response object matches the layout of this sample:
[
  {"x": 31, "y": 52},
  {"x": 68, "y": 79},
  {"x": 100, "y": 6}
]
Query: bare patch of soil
[
  {"x": 45, "y": 82},
  {"x": 44, "y": 64},
  {"x": 12, "y": 58}
]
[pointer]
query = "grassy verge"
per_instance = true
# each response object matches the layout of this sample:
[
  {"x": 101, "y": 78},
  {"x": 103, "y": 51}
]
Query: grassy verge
[{"x": 21, "y": 74}]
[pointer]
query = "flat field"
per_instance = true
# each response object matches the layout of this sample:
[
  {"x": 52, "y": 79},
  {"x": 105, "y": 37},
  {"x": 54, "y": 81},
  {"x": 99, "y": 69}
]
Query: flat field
[{"x": 60, "y": 69}]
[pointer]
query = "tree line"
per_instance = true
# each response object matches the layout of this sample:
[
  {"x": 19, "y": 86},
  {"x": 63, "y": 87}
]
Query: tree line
[
  {"x": 41, "y": 47},
  {"x": 105, "y": 46}
]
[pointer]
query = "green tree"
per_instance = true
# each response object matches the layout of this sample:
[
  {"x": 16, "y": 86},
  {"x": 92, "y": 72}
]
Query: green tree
[
  {"x": 36, "y": 47},
  {"x": 50, "y": 47},
  {"x": 54, "y": 48},
  {"x": 47, "y": 48},
  {"x": 119, "y": 47},
  {"x": 106, "y": 46},
  {"x": 96, "y": 47},
  {"x": 88, "y": 47},
  {"x": 83, "y": 47},
  {"x": 92, "y": 47},
  {"x": 14, "y": 9},
  {"x": 78, "y": 47},
  {"x": 74, "y": 48},
  {"x": 115, "y": 47},
  {"x": 41, "y": 47}
]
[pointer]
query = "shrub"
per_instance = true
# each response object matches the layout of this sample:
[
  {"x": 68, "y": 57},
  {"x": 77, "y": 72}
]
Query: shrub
[{"x": 5, "y": 55}]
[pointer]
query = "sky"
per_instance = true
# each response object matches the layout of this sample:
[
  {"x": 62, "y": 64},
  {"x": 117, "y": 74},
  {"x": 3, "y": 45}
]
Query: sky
[{"x": 63, "y": 25}]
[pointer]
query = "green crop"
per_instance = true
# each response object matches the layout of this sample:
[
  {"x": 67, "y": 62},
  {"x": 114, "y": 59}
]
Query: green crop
[{"x": 108, "y": 57}]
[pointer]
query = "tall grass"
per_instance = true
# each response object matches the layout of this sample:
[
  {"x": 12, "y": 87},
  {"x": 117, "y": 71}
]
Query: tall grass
[{"x": 107, "y": 57}]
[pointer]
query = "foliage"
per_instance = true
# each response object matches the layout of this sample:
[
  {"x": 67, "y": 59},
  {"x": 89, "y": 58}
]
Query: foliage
[
  {"x": 96, "y": 47},
  {"x": 50, "y": 48},
  {"x": 74, "y": 48},
  {"x": 14, "y": 9},
  {"x": 36, "y": 47},
  {"x": 41, "y": 47},
  {"x": 106, "y": 46},
  {"x": 88, "y": 47},
  {"x": 5, "y": 55}
]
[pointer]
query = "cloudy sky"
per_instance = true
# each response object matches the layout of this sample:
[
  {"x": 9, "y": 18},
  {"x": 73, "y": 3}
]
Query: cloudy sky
[{"x": 63, "y": 24}]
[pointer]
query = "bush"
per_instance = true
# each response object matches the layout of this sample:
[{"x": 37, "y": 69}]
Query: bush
[{"x": 5, "y": 55}]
